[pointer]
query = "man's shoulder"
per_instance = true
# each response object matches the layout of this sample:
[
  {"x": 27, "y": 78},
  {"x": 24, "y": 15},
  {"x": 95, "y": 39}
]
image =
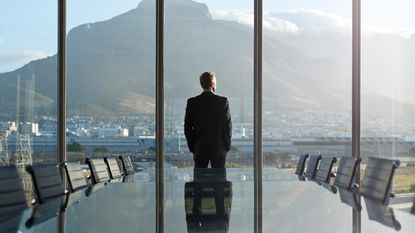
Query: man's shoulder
[
  {"x": 212, "y": 96},
  {"x": 192, "y": 99},
  {"x": 222, "y": 98}
]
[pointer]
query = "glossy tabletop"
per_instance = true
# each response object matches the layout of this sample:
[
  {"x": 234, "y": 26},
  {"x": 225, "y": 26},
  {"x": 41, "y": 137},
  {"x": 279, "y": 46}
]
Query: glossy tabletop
[{"x": 289, "y": 205}]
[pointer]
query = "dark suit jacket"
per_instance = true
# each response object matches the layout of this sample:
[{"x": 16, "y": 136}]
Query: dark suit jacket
[{"x": 208, "y": 125}]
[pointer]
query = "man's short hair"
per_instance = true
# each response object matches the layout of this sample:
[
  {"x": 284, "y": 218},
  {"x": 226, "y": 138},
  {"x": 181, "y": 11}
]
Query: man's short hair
[{"x": 206, "y": 79}]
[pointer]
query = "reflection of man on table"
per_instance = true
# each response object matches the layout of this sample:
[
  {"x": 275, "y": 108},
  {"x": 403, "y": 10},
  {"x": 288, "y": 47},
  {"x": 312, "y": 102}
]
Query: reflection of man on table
[
  {"x": 208, "y": 125},
  {"x": 208, "y": 201}
]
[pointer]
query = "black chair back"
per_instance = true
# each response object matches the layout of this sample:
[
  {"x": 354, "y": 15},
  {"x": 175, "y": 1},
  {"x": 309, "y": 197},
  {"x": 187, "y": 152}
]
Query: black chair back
[
  {"x": 10, "y": 221},
  {"x": 99, "y": 171},
  {"x": 128, "y": 179},
  {"x": 47, "y": 181},
  {"x": 381, "y": 214},
  {"x": 94, "y": 188},
  {"x": 312, "y": 166},
  {"x": 127, "y": 165},
  {"x": 345, "y": 172},
  {"x": 113, "y": 168},
  {"x": 75, "y": 176},
  {"x": 12, "y": 197},
  {"x": 350, "y": 198},
  {"x": 377, "y": 180},
  {"x": 301, "y": 165},
  {"x": 324, "y": 173},
  {"x": 46, "y": 211}
]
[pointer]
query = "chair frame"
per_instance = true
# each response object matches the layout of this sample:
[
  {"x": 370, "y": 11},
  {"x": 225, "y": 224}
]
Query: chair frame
[
  {"x": 382, "y": 214},
  {"x": 301, "y": 166},
  {"x": 326, "y": 166},
  {"x": 124, "y": 166},
  {"x": 97, "y": 180},
  {"x": 110, "y": 170},
  {"x": 312, "y": 167},
  {"x": 388, "y": 192},
  {"x": 339, "y": 175},
  {"x": 40, "y": 198},
  {"x": 65, "y": 165}
]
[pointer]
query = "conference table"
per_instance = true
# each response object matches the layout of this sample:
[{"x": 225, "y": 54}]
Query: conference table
[{"x": 289, "y": 206}]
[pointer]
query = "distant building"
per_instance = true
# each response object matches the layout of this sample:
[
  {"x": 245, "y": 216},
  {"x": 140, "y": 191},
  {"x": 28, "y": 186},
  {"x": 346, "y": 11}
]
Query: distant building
[
  {"x": 109, "y": 132},
  {"x": 9, "y": 126},
  {"x": 50, "y": 126},
  {"x": 410, "y": 138},
  {"x": 385, "y": 147},
  {"x": 28, "y": 128}
]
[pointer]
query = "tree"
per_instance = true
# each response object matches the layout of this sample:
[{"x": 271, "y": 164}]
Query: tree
[
  {"x": 75, "y": 147},
  {"x": 101, "y": 149}
]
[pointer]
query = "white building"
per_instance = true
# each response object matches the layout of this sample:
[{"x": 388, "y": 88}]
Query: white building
[
  {"x": 9, "y": 126},
  {"x": 410, "y": 138},
  {"x": 29, "y": 128},
  {"x": 109, "y": 132}
]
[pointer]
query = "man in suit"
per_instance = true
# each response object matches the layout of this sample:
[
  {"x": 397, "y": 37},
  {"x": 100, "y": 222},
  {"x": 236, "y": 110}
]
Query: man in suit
[{"x": 208, "y": 125}]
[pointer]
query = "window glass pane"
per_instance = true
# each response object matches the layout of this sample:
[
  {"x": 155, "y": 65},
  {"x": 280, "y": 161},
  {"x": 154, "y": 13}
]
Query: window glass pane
[
  {"x": 307, "y": 100},
  {"x": 28, "y": 82},
  {"x": 28, "y": 102},
  {"x": 201, "y": 36},
  {"x": 388, "y": 102},
  {"x": 111, "y": 96}
]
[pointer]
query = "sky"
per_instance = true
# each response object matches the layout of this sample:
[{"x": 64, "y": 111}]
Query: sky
[{"x": 28, "y": 27}]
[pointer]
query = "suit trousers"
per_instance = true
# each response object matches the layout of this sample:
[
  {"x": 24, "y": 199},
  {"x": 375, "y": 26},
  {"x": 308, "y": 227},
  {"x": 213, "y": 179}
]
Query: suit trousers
[{"x": 215, "y": 162}]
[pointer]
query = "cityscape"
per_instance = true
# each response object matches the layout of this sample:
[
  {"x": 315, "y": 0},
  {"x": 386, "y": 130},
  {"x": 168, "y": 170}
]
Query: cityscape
[{"x": 286, "y": 134}]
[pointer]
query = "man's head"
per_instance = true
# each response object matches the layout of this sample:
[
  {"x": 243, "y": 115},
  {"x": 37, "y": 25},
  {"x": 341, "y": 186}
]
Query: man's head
[{"x": 208, "y": 81}]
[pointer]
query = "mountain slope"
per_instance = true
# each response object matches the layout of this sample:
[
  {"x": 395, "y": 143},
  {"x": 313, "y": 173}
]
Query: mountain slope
[{"x": 111, "y": 65}]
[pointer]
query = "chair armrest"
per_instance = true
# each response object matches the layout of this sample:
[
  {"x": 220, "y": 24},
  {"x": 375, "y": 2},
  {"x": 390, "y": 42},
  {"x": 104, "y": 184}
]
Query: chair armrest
[
  {"x": 355, "y": 188},
  {"x": 33, "y": 202}
]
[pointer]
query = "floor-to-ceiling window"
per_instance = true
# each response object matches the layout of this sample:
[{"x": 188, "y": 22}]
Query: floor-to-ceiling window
[
  {"x": 307, "y": 95},
  {"x": 213, "y": 36},
  {"x": 307, "y": 102},
  {"x": 28, "y": 83},
  {"x": 111, "y": 91},
  {"x": 28, "y": 102},
  {"x": 388, "y": 101}
]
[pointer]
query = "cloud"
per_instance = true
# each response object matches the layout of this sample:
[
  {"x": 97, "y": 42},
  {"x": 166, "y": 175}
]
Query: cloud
[
  {"x": 316, "y": 21},
  {"x": 247, "y": 18},
  {"x": 370, "y": 30},
  {"x": 2, "y": 42},
  {"x": 280, "y": 25},
  {"x": 9, "y": 62},
  {"x": 310, "y": 21}
]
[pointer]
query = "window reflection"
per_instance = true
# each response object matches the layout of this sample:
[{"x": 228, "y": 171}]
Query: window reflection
[{"x": 388, "y": 102}]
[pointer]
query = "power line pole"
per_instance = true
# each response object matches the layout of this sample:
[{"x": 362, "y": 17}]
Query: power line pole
[{"x": 4, "y": 150}]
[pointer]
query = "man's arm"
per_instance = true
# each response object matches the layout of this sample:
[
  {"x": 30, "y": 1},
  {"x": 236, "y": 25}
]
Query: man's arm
[
  {"x": 188, "y": 128},
  {"x": 227, "y": 127}
]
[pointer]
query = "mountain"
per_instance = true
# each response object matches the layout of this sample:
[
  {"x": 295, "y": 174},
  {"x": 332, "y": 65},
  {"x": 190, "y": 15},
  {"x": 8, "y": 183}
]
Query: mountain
[
  {"x": 327, "y": 35},
  {"x": 111, "y": 65}
]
